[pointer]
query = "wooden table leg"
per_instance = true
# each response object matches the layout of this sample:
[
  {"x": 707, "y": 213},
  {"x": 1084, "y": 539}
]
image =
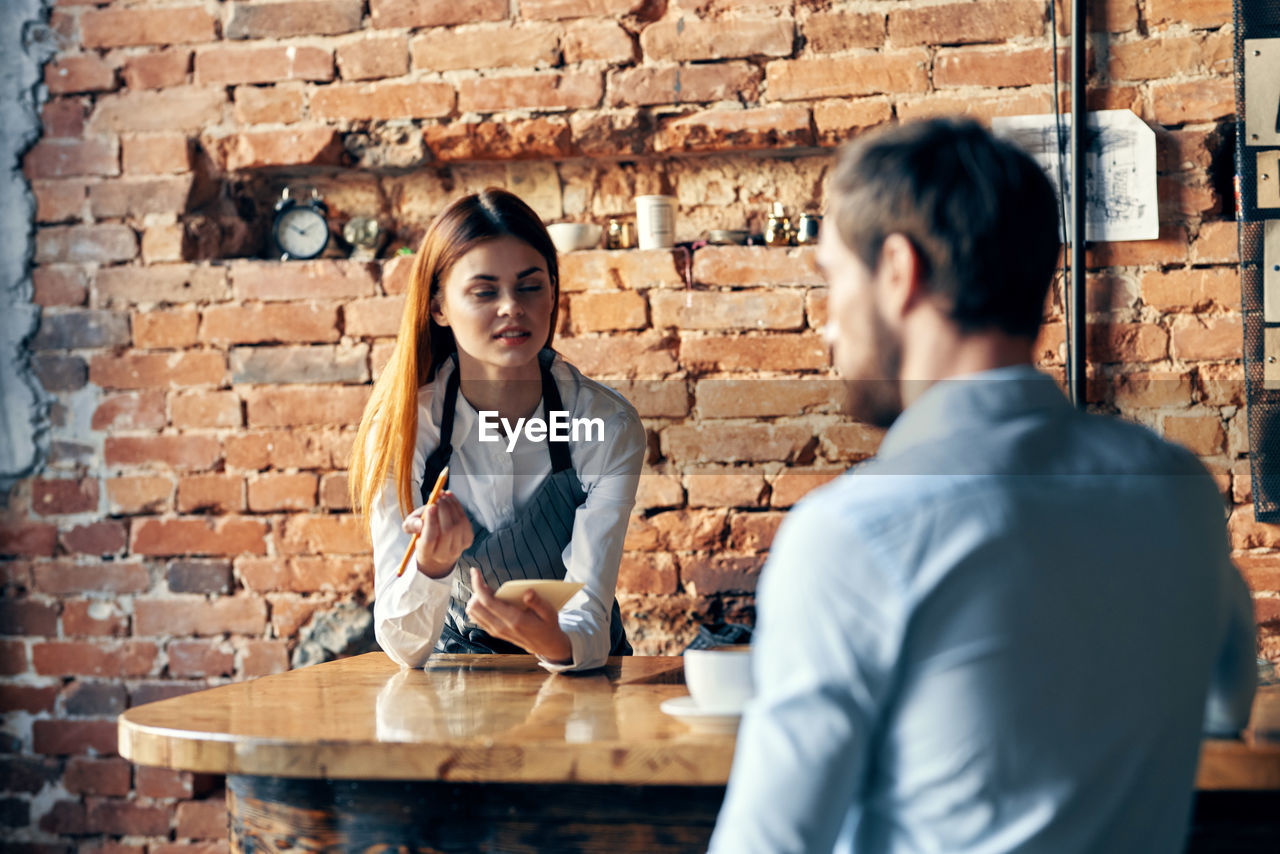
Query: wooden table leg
[{"x": 270, "y": 814}]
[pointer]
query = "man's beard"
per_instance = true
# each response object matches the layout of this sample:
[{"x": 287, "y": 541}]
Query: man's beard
[{"x": 874, "y": 396}]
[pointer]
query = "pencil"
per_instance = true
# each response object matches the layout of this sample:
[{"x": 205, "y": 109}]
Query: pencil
[{"x": 435, "y": 493}]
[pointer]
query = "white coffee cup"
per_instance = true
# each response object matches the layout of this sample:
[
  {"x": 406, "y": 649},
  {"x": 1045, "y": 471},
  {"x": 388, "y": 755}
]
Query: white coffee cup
[
  {"x": 656, "y": 222},
  {"x": 719, "y": 678}
]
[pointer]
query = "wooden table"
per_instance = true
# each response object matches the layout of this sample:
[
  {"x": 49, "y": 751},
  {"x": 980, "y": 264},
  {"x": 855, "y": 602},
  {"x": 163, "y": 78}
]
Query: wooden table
[{"x": 487, "y": 753}]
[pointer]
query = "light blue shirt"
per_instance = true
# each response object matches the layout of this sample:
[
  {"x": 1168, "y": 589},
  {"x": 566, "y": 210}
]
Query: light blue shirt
[{"x": 998, "y": 635}]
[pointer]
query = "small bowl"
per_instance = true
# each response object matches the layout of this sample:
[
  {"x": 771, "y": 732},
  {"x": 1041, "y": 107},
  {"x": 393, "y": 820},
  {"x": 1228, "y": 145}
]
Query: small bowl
[
  {"x": 728, "y": 236},
  {"x": 571, "y": 236}
]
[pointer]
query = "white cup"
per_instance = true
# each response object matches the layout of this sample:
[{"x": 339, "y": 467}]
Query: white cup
[
  {"x": 719, "y": 679},
  {"x": 656, "y": 221}
]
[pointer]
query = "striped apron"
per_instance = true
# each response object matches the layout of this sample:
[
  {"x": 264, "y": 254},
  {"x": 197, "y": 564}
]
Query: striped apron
[{"x": 531, "y": 546}]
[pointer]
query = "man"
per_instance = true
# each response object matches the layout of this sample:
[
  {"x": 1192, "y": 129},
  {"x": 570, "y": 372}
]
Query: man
[{"x": 1001, "y": 633}]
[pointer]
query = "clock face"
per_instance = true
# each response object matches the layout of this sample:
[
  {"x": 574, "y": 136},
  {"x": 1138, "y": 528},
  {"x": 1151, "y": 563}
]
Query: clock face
[{"x": 302, "y": 232}]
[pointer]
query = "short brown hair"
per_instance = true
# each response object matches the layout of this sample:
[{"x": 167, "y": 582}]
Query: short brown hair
[{"x": 981, "y": 214}]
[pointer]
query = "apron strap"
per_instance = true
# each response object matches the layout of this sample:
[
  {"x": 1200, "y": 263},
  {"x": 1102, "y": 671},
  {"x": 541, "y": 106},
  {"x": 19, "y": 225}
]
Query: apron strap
[
  {"x": 560, "y": 459},
  {"x": 440, "y": 456}
]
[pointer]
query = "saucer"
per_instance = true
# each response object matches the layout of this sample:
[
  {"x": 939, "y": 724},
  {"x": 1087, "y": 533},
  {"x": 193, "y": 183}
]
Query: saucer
[{"x": 685, "y": 710}]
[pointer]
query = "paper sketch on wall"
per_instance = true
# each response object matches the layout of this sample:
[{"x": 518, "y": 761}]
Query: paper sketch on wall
[{"x": 1120, "y": 169}]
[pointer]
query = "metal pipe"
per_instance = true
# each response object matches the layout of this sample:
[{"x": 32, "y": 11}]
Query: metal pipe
[{"x": 1076, "y": 356}]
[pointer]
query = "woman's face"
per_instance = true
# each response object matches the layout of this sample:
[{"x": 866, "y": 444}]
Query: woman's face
[{"x": 497, "y": 300}]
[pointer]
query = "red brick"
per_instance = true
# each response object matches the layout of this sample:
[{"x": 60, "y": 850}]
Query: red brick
[
  {"x": 693, "y": 39},
  {"x": 75, "y": 244},
  {"x": 63, "y": 817},
  {"x": 1127, "y": 342},
  {"x": 228, "y": 535},
  {"x": 113, "y": 577},
  {"x": 137, "y": 197},
  {"x": 218, "y": 493},
  {"x": 190, "y": 848},
  {"x": 167, "y": 283},
  {"x": 85, "y": 776},
  {"x": 289, "y": 612},
  {"x": 200, "y": 658},
  {"x": 765, "y": 353},
  {"x": 1152, "y": 390},
  {"x": 150, "y": 26},
  {"x": 84, "y": 73},
  {"x": 416, "y": 14},
  {"x": 837, "y": 120},
  {"x": 653, "y": 574},
  {"x": 518, "y": 139},
  {"x": 1248, "y": 533},
  {"x": 271, "y": 105},
  {"x": 25, "y": 617},
  {"x": 176, "y": 108},
  {"x": 688, "y": 530},
  {"x": 62, "y": 158},
  {"x": 118, "y": 659},
  {"x": 1192, "y": 290},
  {"x": 746, "y": 130},
  {"x": 726, "y": 487},
  {"x": 334, "y": 493},
  {"x": 64, "y": 118},
  {"x": 965, "y": 23},
  {"x": 607, "y": 311},
  {"x": 299, "y": 18},
  {"x": 644, "y": 355},
  {"x": 126, "y": 818},
  {"x": 157, "y": 70},
  {"x": 793, "y": 484},
  {"x": 280, "y": 449},
  {"x": 545, "y": 91},
  {"x": 13, "y": 658},
  {"x": 994, "y": 67},
  {"x": 658, "y": 491},
  {"x": 324, "y": 535},
  {"x": 632, "y": 269},
  {"x": 202, "y": 819},
  {"x": 306, "y": 574},
  {"x": 755, "y": 265},
  {"x": 383, "y": 100},
  {"x": 298, "y": 406},
  {"x": 173, "y": 329},
  {"x": 282, "y": 323},
  {"x": 1196, "y": 13},
  {"x": 373, "y": 56},
  {"x": 165, "y": 243},
  {"x": 271, "y": 492},
  {"x": 865, "y": 74},
  {"x": 1177, "y": 103},
  {"x": 165, "y": 370},
  {"x": 63, "y": 495},
  {"x": 1200, "y": 434},
  {"x": 161, "y": 783},
  {"x": 95, "y": 538},
  {"x": 726, "y": 443},
  {"x": 63, "y": 738},
  {"x": 1221, "y": 385},
  {"x": 259, "y": 280},
  {"x": 58, "y": 286},
  {"x": 196, "y": 615},
  {"x": 174, "y": 451},
  {"x": 828, "y": 32},
  {"x": 850, "y": 441},
  {"x": 701, "y": 576},
  {"x": 753, "y": 532},
  {"x": 762, "y": 398},
  {"x": 677, "y": 84},
  {"x": 93, "y": 618},
  {"x": 559, "y": 9},
  {"x": 1216, "y": 243},
  {"x": 32, "y": 699},
  {"x": 204, "y": 409},
  {"x": 231, "y": 64},
  {"x": 754, "y": 309},
  {"x": 1206, "y": 338},
  {"x": 1154, "y": 58},
  {"x": 486, "y": 46},
  {"x": 131, "y": 411},
  {"x": 980, "y": 108},
  {"x": 263, "y": 658},
  {"x": 596, "y": 41},
  {"x": 1170, "y": 248},
  {"x": 655, "y": 398},
  {"x": 156, "y": 154},
  {"x": 297, "y": 146}
]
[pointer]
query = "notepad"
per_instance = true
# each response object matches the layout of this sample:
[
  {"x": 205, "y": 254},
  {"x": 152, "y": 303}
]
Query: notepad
[{"x": 554, "y": 593}]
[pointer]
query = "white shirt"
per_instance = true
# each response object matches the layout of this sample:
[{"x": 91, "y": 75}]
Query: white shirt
[
  {"x": 997, "y": 636},
  {"x": 494, "y": 485}
]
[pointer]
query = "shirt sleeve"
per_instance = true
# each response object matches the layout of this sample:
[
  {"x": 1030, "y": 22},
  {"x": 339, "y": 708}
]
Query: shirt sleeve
[
  {"x": 1234, "y": 679},
  {"x": 409, "y": 611},
  {"x": 820, "y": 659},
  {"x": 610, "y": 475}
]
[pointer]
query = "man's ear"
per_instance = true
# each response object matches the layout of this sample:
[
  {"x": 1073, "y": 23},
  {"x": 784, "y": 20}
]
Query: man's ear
[{"x": 899, "y": 274}]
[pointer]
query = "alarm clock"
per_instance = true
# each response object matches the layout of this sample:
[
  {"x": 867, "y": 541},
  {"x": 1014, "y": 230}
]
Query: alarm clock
[{"x": 300, "y": 230}]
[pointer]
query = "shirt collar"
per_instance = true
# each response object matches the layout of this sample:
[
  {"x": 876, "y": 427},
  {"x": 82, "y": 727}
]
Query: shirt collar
[{"x": 985, "y": 397}]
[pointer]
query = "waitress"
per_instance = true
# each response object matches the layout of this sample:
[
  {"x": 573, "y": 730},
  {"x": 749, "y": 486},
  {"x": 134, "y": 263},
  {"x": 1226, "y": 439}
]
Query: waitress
[{"x": 480, "y": 314}]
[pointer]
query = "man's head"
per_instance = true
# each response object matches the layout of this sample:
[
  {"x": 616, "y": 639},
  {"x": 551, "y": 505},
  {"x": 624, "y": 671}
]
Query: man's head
[{"x": 936, "y": 216}]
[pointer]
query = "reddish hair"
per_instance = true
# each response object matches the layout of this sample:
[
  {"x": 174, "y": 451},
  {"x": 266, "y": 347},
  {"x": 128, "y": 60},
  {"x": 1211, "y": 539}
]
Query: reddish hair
[{"x": 384, "y": 444}]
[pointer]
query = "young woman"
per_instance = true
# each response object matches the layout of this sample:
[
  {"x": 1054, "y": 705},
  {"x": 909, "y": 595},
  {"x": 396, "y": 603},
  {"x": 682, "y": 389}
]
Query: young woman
[{"x": 474, "y": 347}]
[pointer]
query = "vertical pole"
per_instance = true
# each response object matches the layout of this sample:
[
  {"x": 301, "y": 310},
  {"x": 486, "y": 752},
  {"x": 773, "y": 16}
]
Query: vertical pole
[{"x": 1079, "y": 133}]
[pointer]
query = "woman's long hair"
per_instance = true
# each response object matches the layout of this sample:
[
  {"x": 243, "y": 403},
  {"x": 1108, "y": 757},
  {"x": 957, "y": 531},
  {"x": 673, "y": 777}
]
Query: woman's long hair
[{"x": 385, "y": 441}]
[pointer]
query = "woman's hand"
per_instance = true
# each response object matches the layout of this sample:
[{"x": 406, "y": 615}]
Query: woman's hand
[
  {"x": 532, "y": 625},
  {"x": 446, "y": 534}
]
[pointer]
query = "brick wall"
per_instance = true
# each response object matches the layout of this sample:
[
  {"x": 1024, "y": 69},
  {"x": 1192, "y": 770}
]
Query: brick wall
[{"x": 192, "y": 523}]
